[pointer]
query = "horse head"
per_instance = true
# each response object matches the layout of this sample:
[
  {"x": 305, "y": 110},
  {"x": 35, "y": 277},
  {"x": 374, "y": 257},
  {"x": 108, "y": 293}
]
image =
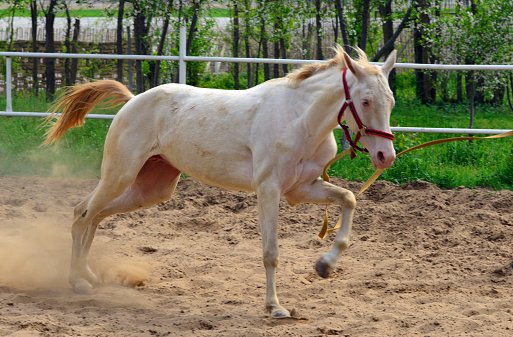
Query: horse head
[{"x": 373, "y": 102}]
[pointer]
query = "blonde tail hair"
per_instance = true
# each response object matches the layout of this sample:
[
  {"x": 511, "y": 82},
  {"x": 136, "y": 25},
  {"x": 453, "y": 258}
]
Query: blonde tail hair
[{"x": 78, "y": 101}]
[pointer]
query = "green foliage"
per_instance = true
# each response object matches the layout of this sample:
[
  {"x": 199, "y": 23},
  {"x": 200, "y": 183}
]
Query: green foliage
[
  {"x": 223, "y": 81},
  {"x": 481, "y": 33},
  {"x": 95, "y": 13}
]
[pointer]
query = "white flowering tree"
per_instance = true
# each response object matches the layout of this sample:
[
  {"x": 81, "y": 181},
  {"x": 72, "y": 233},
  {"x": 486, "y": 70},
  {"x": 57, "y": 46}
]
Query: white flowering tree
[{"x": 481, "y": 33}]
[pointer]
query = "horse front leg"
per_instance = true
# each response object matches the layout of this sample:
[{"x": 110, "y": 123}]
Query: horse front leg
[
  {"x": 268, "y": 195},
  {"x": 323, "y": 192}
]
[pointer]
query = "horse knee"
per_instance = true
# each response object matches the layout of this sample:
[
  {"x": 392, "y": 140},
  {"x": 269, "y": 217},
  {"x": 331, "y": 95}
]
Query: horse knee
[
  {"x": 349, "y": 200},
  {"x": 271, "y": 259}
]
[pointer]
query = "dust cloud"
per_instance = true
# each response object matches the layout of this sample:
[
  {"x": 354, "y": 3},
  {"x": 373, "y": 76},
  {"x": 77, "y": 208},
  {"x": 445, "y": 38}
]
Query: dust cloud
[
  {"x": 34, "y": 256},
  {"x": 37, "y": 256}
]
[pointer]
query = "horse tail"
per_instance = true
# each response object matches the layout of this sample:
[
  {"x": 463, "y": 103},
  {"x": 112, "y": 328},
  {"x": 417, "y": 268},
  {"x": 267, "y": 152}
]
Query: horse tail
[{"x": 78, "y": 101}]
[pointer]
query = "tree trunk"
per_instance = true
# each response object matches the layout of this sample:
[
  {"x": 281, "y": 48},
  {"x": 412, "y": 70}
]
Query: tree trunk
[
  {"x": 235, "y": 45},
  {"x": 423, "y": 79},
  {"x": 419, "y": 75},
  {"x": 283, "y": 51},
  {"x": 247, "y": 32},
  {"x": 365, "y": 25},
  {"x": 11, "y": 27},
  {"x": 335, "y": 29},
  {"x": 459, "y": 87},
  {"x": 265, "y": 53},
  {"x": 119, "y": 39},
  {"x": 276, "y": 67},
  {"x": 67, "y": 43},
  {"x": 139, "y": 20},
  {"x": 343, "y": 27},
  {"x": 388, "y": 47},
  {"x": 50, "y": 48},
  {"x": 276, "y": 45},
  {"x": 192, "y": 28},
  {"x": 74, "y": 50},
  {"x": 318, "y": 25},
  {"x": 388, "y": 32},
  {"x": 33, "y": 15},
  {"x": 160, "y": 51}
]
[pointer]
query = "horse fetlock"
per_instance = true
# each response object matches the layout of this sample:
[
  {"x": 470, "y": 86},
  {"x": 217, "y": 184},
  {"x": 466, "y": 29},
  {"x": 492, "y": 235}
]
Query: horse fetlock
[
  {"x": 342, "y": 244},
  {"x": 277, "y": 311},
  {"x": 89, "y": 275},
  {"x": 325, "y": 265},
  {"x": 80, "y": 285}
]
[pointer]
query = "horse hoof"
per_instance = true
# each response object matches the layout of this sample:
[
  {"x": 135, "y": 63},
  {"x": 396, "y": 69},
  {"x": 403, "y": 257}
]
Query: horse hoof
[
  {"x": 280, "y": 313},
  {"x": 323, "y": 269},
  {"x": 83, "y": 287}
]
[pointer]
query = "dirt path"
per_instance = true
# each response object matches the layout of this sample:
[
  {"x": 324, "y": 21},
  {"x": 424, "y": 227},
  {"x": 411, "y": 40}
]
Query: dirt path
[{"x": 423, "y": 262}]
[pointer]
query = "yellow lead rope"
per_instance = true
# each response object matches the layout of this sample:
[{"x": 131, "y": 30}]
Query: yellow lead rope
[{"x": 325, "y": 231}]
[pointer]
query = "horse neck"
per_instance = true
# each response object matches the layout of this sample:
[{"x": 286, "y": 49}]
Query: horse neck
[{"x": 325, "y": 95}]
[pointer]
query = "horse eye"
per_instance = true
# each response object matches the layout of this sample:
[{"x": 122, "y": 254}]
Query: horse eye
[{"x": 365, "y": 103}]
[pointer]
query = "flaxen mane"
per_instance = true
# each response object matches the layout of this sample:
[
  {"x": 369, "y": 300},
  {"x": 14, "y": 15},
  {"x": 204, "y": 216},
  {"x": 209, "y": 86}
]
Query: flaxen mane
[{"x": 338, "y": 61}]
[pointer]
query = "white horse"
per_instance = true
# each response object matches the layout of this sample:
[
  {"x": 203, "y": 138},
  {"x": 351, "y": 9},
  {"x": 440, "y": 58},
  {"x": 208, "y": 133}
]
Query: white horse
[{"x": 273, "y": 139}]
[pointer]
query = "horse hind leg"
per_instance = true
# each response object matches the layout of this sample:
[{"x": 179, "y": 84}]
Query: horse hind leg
[{"x": 154, "y": 183}]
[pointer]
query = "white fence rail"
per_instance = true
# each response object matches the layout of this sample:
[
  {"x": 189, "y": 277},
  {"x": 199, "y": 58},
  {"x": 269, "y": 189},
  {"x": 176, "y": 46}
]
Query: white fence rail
[{"x": 182, "y": 58}]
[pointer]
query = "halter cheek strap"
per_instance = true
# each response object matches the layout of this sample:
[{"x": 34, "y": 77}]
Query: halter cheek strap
[{"x": 362, "y": 129}]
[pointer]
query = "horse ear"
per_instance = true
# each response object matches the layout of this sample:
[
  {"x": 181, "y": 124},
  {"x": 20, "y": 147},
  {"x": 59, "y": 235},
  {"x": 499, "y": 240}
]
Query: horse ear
[
  {"x": 355, "y": 68},
  {"x": 389, "y": 63}
]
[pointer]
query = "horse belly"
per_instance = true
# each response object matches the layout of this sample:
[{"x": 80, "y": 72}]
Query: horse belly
[{"x": 231, "y": 170}]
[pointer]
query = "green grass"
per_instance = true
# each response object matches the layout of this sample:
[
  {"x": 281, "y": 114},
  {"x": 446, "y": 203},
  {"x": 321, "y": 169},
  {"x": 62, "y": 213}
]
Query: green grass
[
  {"x": 79, "y": 153},
  {"x": 484, "y": 163}
]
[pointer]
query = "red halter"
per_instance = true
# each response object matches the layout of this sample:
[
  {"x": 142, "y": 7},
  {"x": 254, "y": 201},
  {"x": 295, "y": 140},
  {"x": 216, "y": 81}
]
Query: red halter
[{"x": 362, "y": 129}]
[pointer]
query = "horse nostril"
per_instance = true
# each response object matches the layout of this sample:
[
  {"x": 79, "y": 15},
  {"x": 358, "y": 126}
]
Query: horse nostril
[{"x": 381, "y": 156}]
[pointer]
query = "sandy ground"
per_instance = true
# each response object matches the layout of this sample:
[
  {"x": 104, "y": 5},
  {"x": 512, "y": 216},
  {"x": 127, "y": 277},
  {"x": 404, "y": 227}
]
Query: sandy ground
[{"x": 423, "y": 262}]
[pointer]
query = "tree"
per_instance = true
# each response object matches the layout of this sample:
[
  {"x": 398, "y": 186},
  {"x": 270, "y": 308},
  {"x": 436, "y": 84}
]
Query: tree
[
  {"x": 141, "y": 28},
  {"x": 167, "y": 13},
  {"x": 364, "y": 7},
  {"x": 389, "y": 36},
  {"x": 425, "y": 90},
  {"x": 50, "y": 48},
  {"x": 263, "y": 18},
  {"x": 343, "y": 26},
  {"x": 14, "y": 5},
  {"x": 119, "y": 39},
  {"x": 71, "y": 66},
  {"x": 248, "y": 33},
  {"x": 235, "y": 43},
  {"x": 33, "y": 17},
  {"x": 481, "y": 33},
  {"x": 199, "y": 35},
  {"x": 318, "y": 29}
]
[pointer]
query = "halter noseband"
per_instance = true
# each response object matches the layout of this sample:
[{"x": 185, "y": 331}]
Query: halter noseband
[{"x": 362, "y": 129}]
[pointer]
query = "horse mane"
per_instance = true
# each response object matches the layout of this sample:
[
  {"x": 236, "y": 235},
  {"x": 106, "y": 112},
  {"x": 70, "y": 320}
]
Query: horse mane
[{"x": 338, "y": 61}]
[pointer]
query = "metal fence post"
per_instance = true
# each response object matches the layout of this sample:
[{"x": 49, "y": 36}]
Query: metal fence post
[
  {"x": 8, "y": 84},
  {"x": 182, "y": 51}
]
